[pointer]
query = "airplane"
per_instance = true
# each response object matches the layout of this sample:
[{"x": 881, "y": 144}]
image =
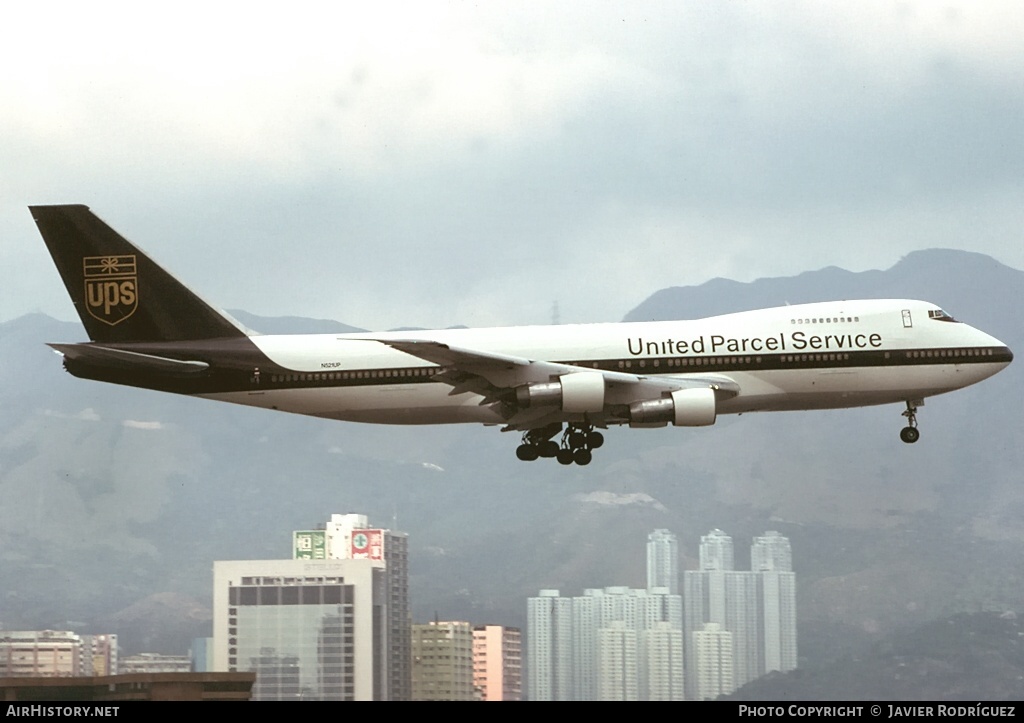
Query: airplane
[{"x": 566, "y": 382}]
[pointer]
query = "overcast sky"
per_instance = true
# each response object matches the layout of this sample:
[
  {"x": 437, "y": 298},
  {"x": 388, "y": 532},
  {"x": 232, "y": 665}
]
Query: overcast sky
[{"x": 432, "y": 164}]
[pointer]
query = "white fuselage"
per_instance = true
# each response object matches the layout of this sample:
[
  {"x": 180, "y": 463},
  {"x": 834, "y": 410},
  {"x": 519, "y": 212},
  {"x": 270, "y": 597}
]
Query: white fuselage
[{"x": 812, "y": 356}]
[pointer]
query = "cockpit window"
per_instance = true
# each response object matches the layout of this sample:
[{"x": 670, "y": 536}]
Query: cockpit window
[{"x": 940, "y": 315}]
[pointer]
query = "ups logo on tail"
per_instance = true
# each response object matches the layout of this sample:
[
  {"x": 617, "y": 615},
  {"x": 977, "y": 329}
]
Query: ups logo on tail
[{"x": 111, "y": 287}]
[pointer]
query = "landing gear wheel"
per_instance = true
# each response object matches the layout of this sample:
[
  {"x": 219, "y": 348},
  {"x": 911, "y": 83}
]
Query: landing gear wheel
[
  {"x": 548, "y": 448},
  {"x": 596, "y": 440},
  {"x": 526, "y": 452},
  {"x": 910, "y": 434},
  {"x": 582, "y": 457},
  {"x": 538, "y": 443},
  {"x": 564, "y": 456}
]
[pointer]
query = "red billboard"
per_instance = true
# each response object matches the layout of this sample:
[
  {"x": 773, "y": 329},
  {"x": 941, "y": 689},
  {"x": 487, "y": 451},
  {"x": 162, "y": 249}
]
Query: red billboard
[{"x": 367, "y": 544}]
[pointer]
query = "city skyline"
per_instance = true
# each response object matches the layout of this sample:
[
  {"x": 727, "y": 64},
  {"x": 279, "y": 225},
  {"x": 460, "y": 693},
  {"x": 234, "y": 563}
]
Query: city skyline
[
  {"x": 613, "y": 643},
  {"x": 727, "y": 628}
]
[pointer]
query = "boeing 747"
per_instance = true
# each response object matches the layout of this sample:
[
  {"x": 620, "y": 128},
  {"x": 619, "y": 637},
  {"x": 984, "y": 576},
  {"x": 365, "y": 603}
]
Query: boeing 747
[{"x": 557, "y": 385}]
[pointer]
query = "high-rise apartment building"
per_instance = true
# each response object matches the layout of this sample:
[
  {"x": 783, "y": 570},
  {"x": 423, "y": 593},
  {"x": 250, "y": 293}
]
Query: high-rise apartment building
[
  {"x": 772, "y": 560},
  {"x": 771, "y": 552},
  {"x": 442, "y": 661},
  {"x": 757, "y": 607},
  {"x": 600, "y": 640},
  {"x": 716, "y": 551},
  {"x": 729, "y": 626},
  {"x": 663, "y": 561},
  {"x": 713, "y": 662},
  {"x": 596, "y": 610},
  {"x": 497, "y": 662},
  {"x": 618, "y": 668},
  {"x": 704, "y": 597},
  {"x": 549, "y": 646},
  {"x": 662, "y": 644}
]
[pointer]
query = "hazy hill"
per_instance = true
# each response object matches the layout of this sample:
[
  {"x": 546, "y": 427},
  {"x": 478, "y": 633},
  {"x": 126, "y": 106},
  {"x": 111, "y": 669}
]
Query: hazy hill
[
  {"x": 951, "y": 279},
  {"x": 291, "y": 324},
  {"x": 967, "y": 657},
  {"x": 109, "y": 495}
]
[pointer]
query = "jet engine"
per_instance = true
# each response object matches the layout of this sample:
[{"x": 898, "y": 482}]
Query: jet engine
[
  {"x": 578, "y": 392},
  {"x": 683, "y": 408}
]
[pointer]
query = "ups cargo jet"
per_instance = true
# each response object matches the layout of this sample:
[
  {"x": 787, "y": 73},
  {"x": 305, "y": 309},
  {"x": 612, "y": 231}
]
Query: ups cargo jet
[{"x": 557, "y": 385}]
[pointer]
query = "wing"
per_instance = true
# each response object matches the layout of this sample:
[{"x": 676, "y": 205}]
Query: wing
[{"x": 531, "y": 393}]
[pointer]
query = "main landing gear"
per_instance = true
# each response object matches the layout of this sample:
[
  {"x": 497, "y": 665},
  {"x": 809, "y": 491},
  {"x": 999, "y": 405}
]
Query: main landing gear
[
  {"x": 910, "y": 433},
  {"x": 577, "y": 445}
]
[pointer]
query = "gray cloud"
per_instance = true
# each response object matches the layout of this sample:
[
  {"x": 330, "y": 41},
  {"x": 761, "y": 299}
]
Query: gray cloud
[{"x": 444, "y": 165}]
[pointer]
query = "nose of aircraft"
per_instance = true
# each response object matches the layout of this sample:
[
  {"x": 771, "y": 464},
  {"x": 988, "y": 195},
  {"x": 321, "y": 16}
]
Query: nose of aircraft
[
  {"x": 997, "y": 355},
  {"x": 1000, "y": 351}
]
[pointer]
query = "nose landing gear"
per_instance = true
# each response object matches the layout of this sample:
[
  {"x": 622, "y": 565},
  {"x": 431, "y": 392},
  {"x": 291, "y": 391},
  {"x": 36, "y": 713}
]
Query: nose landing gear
[{"x": 910, "y": 433}]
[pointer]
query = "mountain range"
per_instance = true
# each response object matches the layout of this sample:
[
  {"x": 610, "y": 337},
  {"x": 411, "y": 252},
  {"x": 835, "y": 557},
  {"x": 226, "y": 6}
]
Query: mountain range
[{"x": 114, "y": 502}]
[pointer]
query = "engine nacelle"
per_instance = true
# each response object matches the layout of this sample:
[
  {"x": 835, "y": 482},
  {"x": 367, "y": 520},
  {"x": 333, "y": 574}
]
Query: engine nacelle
[
  {"x": 578, "y": 393},
  {"x": 684, "y": 408}
]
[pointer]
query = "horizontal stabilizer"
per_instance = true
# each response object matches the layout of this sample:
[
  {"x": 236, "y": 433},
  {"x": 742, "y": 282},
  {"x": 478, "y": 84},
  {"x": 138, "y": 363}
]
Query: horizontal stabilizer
[{"x": 129, "y": 360}]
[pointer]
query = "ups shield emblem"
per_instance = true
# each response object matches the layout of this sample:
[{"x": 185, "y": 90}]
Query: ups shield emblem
[{"x": 111, "y": 287}]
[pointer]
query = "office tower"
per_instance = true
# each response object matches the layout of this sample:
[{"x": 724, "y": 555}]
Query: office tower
[
  {"x": 497, "y": 662},
  {"x": 549, "y": 650},
  {"x": 39, "y": 654},
  {"x": 713, "y": 656},
  {"x": 310, "y": 629},
  {"x": 662, "y": 644},
  {"x": 442, "y": 655},
  {"x": 350, "y": 537},
  {"x": 772, "y": 561},
  {"x": 663, "y": 561}
]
